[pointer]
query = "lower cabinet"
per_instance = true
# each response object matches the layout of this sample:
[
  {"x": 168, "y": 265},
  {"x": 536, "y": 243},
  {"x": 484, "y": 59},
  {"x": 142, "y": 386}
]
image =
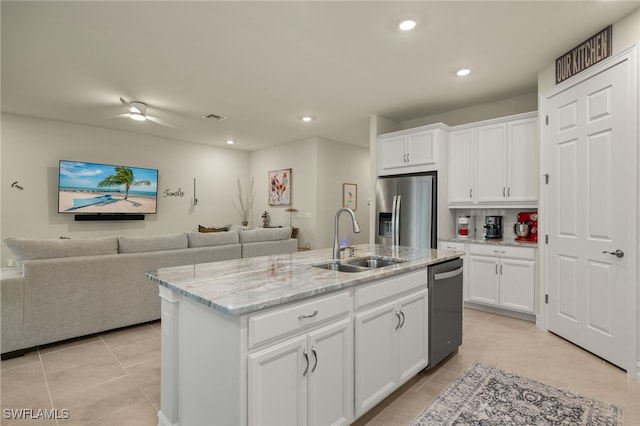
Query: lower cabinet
[
  {"x": 305, "y": 380},
  {"x": 502, "y": 276},
  {"x": 391, "y": 343}
]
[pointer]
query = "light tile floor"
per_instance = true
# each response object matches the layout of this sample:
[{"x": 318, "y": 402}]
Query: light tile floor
[{"x": 113, "y": 379}]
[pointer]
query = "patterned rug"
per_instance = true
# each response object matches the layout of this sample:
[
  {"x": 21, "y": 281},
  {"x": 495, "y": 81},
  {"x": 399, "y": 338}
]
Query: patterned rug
[{"x": 486, "y": 395}]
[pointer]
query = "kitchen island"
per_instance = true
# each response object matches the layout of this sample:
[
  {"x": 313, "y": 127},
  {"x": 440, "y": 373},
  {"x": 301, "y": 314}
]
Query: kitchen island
[{"x": 277, "y": 340}]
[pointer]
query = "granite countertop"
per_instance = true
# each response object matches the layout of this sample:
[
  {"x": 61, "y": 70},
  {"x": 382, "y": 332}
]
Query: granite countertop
[
  {"x": 502, "y": 242},
  {"x": 241, "y": 286}
]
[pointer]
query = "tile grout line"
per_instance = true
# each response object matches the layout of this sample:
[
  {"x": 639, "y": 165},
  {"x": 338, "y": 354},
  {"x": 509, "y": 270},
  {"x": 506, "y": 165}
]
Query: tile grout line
[{"x": 46, "y": 383}]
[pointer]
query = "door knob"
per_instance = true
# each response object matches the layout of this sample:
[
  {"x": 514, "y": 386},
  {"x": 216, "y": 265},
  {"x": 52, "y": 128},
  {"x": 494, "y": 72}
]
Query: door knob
[{"x": 617, "y": 253}]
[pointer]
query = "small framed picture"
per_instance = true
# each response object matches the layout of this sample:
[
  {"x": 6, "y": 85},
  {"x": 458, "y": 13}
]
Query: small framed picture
[
  {"x": 280, "y": 187},
  {"x": 350, "y": 195}
]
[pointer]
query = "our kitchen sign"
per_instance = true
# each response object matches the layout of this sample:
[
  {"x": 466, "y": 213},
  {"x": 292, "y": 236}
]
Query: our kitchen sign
[{"x": 584, "y": 55}]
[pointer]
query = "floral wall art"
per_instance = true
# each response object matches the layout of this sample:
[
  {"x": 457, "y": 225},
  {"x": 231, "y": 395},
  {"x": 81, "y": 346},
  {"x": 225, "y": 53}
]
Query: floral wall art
[{"x": 280, "y": 187}]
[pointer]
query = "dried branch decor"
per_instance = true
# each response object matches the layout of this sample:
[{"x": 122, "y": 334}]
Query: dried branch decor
[{"x": 245, "y": 203}]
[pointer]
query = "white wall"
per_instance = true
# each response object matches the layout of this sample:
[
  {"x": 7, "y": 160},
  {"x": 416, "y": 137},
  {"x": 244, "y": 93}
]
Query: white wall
[
  {"x": 31, "y": 149},
  {"x": 319, "y": 167}
]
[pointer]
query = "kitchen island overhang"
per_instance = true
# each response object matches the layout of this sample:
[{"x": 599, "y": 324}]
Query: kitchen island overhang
[{"x": 223, "y": 321}]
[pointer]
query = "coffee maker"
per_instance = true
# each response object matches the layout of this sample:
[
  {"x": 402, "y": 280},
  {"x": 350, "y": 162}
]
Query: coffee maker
[
  {"x": 493, "y": 227},
  {"x": 466, "y": 226},
  {"x": 526, "y": 229}
]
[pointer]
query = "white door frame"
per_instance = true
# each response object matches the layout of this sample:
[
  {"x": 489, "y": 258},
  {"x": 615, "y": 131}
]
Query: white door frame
[{"x": 631, "y": 54}]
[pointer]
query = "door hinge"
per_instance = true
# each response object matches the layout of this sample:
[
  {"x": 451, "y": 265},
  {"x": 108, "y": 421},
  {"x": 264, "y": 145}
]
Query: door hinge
[
  {"x": 546, "y": 178},
  {"x": 546, "y": 239},
  {"x": 546, "y": 120},
  {"x": 546, "y": 298}
]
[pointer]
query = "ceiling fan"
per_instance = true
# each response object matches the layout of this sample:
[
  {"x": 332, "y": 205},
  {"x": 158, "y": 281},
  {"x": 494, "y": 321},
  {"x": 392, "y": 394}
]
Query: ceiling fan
[{"x": 138, "y": 112}]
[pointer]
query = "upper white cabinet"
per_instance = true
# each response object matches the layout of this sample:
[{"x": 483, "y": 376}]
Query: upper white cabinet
[
  {"x": 494, "y": 163},
  {"x": 412, "y": 151}
]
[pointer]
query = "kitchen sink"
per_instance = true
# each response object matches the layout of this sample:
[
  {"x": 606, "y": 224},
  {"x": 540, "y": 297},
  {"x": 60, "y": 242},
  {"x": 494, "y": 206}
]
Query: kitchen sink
[
  {"x": 359, "y": 264},
  {"x": 373, "y": 262}
]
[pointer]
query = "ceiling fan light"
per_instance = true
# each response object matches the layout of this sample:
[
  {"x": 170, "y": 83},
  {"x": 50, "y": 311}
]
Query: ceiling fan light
[
  {"x": 463, "y": 72},
  {"x": 137, "y": 116},
  {"x": 407, "y": 25}
]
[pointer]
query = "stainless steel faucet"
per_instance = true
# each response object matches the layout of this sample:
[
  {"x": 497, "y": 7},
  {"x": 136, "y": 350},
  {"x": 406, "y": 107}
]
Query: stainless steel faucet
[{"x": 356, "y": 229}]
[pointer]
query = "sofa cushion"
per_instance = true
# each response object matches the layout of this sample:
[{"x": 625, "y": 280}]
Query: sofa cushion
[
  {"x": 152, "y": 243},
  {"x": 199, "y": 239},
  {"x": 264, "y": 234},
  {"x": 213, "y": 228},
  {"x": 31, "y": 248}
]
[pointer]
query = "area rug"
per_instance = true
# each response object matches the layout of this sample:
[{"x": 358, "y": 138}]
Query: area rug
[{"x": 486, "y": 395}]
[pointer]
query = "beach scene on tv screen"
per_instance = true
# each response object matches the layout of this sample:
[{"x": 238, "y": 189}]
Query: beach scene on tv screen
[{"x": 101, "y": 188}]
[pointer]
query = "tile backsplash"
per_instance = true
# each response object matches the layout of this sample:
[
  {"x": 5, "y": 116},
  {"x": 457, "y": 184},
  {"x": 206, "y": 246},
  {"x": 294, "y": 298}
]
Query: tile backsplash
[{"x": 509, "y": 218}]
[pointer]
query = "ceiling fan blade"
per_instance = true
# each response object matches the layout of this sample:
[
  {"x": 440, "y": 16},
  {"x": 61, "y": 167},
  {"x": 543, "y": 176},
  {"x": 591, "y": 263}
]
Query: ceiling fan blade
[
  {"x": 161, "y": 122},
  {"x": 134, "y": 107}
]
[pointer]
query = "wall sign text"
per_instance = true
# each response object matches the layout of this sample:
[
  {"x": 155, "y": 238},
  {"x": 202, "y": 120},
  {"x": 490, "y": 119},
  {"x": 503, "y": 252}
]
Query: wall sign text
[{"x": 586, "y": 54}]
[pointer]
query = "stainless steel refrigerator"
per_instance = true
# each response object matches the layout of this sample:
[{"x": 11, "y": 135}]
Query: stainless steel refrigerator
[{"x": 406, "y": 210}]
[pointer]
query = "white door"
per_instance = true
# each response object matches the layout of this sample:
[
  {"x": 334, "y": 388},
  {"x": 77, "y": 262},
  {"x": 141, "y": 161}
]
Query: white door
[
  {"x": 522, "y": 161},
  {"x": 517, "y": 284},
  {"x": 420, "y": 149},
  {"x": 331, "y": 375},
  {"x": 412, "y": 335},
  {"x": 591, "y": 204},
  {"x": 491, "y": 161},
  {"x": 392, "y": 152},
  {"x": 278, "y": 384},
  {"x": 484, "y": 279},
  {"x": 461, "y": 166}
]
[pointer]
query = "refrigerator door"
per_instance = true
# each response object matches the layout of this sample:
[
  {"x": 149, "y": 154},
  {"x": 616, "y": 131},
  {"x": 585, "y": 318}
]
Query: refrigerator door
[
  {"x": 416, "y": 211},
  {"x": 386, "y": 189}
]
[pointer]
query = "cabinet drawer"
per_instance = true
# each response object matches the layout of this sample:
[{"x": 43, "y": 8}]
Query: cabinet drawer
[
  {"x": 493, "y": 250},
  {"x": 448, "y": 245},
  {"x": 269, "y": 325},
  {"x": 390, "y": 288}
]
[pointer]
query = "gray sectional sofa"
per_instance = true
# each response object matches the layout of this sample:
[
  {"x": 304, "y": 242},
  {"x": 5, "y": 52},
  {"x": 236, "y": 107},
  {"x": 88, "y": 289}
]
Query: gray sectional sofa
[{"x": 67, "y": 288}]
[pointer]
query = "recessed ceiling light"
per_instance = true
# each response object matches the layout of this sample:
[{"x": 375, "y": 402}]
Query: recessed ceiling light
[
  {"x": 137, "y": 116},
  {"x": 407, "y": 24},
  {"x": 230, "y": 142},
  {"x": 307, "y": 118},
  {"x": 463, "y": 72}
]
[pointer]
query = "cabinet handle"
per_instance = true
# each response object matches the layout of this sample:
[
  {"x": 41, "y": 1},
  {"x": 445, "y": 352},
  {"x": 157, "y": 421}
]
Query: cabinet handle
[
  {"x": 470, "y": 192},
  {"x": 399, "y": 320},
  {"x": 501, "y": 269},
  {"x": 408, "y": 157},
  {"x": 496, "y": 269},
  {"x": 402, "y": 323},
  {"x": 509, "y": 192},
  {"x": 504, "y": 191},
  {"x": 499, "y": 251},
  {"x": 306, "y": 358},
  {"x": 315, "y": 357},
  {"x": 308, "y": 316}
]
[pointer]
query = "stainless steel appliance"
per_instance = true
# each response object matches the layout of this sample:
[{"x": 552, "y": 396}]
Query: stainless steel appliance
[
  {"x": 445, "y": 310},
  {"x": 493, "y": 227},
  {"x": 405, "y": 210}
]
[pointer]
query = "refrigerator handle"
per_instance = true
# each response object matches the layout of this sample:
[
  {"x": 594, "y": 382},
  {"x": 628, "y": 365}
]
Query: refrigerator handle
[
  {"x": 393, "y": 220},
  {"x": 397, "y": 222}
]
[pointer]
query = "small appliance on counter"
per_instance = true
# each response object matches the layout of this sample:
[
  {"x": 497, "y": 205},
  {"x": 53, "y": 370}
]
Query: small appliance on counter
[
  {"x": 493, "y": 227},
  {"x": 526, "y": 229},
  {"x": 466, "y": 226}
]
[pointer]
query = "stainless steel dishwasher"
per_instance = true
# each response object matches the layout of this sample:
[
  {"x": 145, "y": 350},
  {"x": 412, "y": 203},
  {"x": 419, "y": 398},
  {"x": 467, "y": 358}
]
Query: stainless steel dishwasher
[{"x": 445, "y": 309}]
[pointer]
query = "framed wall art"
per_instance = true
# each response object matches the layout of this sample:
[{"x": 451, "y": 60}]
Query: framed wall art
[
  {"x": 280, "y": 187},
  {"x": 350, "y": 195}
]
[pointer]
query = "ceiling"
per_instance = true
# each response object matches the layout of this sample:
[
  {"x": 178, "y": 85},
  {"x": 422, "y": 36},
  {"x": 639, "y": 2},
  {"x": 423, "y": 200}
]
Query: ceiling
[{"x": 265, "y": 64}]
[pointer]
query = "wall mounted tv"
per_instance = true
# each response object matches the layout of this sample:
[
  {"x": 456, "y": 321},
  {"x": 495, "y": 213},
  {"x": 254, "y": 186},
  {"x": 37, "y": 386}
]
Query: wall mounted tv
[{"x": 106, "y": 191}]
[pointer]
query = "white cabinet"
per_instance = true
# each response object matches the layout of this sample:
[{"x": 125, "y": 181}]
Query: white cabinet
[
  {"x": 411, "y": 151},
  {"x": 494, "y": 163},
  {"x": 458, "y": 246},
  {"x": 391, "y": 342},
  {"x": 502, "y": 276},
  {"x": 461, "y": 166},
  {"x": 304, "y": 380}
]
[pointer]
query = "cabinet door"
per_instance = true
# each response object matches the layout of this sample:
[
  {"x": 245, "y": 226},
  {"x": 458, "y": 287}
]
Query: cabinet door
[
  {"x": 331, "y": 375},
  {"x": 517, "y": 284},
  {"x": 491, "y": 160},
  {"x": 277, "y": 384},
  {"x": 522, "y": 164},
  {"x": 375, "y": 355},
  {"x": 420, "y": 149},
  {"x": 392, "y": 152},
  {"x": 461, "y": 167},
  {"x": 483, "y": 279},
  {"x": 412, "y": 335}
]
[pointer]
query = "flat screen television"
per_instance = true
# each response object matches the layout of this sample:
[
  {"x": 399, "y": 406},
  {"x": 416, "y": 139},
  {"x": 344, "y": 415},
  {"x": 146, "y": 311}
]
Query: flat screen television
[{"x": 106, "y": 189}]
